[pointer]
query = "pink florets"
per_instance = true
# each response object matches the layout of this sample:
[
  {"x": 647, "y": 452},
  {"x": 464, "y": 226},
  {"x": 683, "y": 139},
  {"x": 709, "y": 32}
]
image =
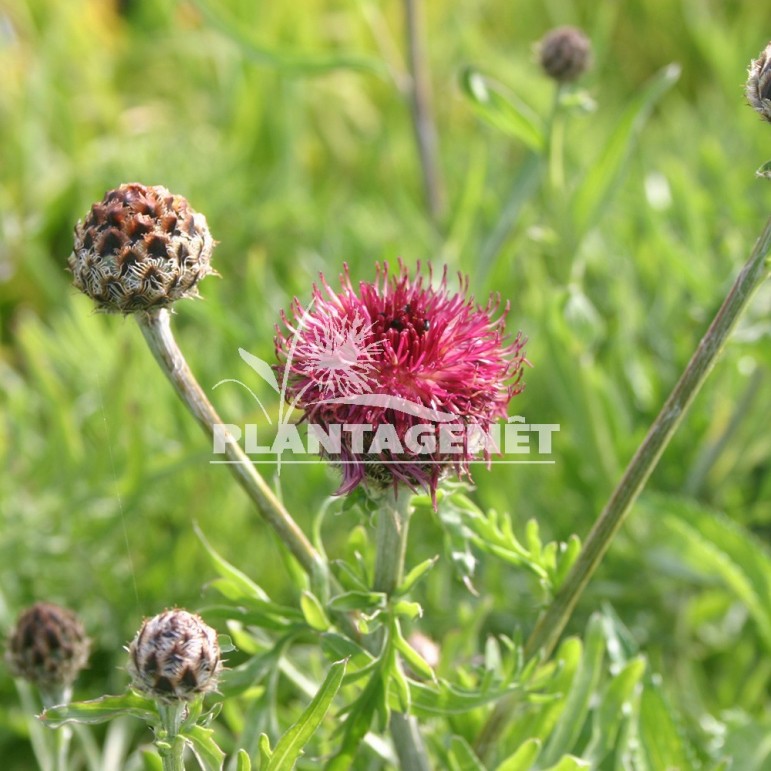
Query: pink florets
[{"x": 399, "y": 353}]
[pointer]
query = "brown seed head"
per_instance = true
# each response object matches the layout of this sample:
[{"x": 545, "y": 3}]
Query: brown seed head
[
  {"x": 758, "y": 88},
  {"x": 48, "y": 646},
  {"x": 140, "y": 248},
  {"x": 174, "y": 657},
  {"x": 565, "y": 54}
]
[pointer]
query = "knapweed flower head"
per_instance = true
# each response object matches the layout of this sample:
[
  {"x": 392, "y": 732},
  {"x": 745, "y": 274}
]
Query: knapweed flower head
[
  {"x": 758, "y": 88},
  {"x": 175, "y": 656},
  {"x": 565, "y": 53},
  {"x": 48, "y": 646},
  {"x": 399, "y": 380},
  {"x": 140, "y": 248}
]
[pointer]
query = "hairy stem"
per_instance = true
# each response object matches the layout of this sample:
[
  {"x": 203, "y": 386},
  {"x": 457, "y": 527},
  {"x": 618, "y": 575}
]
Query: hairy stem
[
  {"x": 157, "y": 331},
  {"x": 392, "y": 526},
  {"x": 420, "y": 109},
  {"x": 170, "y": 745},
  {"x": 547, "y": 631}
]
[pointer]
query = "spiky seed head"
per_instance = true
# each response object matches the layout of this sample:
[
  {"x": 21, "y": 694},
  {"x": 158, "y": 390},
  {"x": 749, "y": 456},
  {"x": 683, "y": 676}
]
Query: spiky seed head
[
  {"x": 141, "y": 247},
  {"x": 48, "y": 646},
  {"x": 174, "y": 657},
  {"x": 758, "y": 88},
  {"x": 565, "y": 54}
]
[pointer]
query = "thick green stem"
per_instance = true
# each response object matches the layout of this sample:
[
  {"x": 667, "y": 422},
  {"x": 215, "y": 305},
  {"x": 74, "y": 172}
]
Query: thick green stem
[
  {"x": 547, "y": 631},
  {"x": 157, "y": 331},
  {"x": 392, "y": 527},
  {"x": 393, "y": 521},
  {"x": 168, "y": 742}
]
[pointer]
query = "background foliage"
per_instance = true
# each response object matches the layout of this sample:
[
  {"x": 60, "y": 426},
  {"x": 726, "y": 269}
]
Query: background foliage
[{"x": 285, "y": 124}]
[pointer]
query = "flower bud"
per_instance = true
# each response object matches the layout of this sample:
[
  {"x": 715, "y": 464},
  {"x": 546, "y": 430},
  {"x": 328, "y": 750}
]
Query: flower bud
[
  {"x": 140, "y": 248},
  {"x": 174, "y": 657},
  {"x": 565, "y": 54},
  {"x": 48, "y": 646},
  {"x": 759, "y": 84}
]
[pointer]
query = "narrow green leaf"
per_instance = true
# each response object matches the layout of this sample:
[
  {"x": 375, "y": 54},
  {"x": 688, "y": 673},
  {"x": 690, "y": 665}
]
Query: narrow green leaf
[
  {"x": 151, "y": 760},
  {"x": 301, "y": 63},
  {"x": 663, "y": 741},
  {"x": 343, "y": 647},
  {"x": 358, "y": 721},
  {"x": 245, "y": 586},
  {"x": 410, "y": 610},
  {"x": 716, "y": 546},
  {"x": 209, "y": 756},
  {"x": 442, "y": 698},
  {"x": 613, "y": 709},
  {"x": 355, "y": 600},
  {"x": 243, "y": 763},
  {"x": 764, "y": 171},
  {"x": 571, "y": 721},
  {"x": 505, "y": 111},
  {"x": 523, "y": 758},
  {"x": 603, "y": 175},
  {"x": 569, "y": 763},
  {"x": 291, "y": 744},
  {"x": 313, "y": 611},
  {"x": 463, "y": 756},
  {"x": 415, "y": 661},
  {"x": 101, "y": 710},
  {"x": 418, "y": 572},
  {"x": 566, "y": 559},
  {"x": 263, "y": 747}
]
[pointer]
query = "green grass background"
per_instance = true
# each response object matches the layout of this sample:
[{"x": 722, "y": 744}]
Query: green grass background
[{"x": 284, "y": 124}]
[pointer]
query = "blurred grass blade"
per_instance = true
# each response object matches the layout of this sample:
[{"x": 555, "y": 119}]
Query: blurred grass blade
[
  {"x": 569, "y": 763},
  {"x": 602, "y": 178},
  {"x": 663, "y": 741},
  {"x": 243, "y": 763},
  {"x": 300, "y": 63},
  {"x": 101, "y": 710},
  {"x": 504, "y": 111},
  {"x": 523, "y": 758},
  {"x": 291, "y": 744},
  {"x": 582, "y": 689},
  {"x": 612, "y": 710},
  {"x": 209, "y": 756},
  {"x": 712, "y": 544},
  {"x": 462, "y": 757}
]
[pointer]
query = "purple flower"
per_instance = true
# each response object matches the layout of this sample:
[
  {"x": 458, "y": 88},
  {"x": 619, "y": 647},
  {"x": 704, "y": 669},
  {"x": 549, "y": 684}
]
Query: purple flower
[{"x": 405, "y": 376}]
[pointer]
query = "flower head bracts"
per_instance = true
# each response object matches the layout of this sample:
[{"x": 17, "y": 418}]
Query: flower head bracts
[{"x": 399, "y": 352}]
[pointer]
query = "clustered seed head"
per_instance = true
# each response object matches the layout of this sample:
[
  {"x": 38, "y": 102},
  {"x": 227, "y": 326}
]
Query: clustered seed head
[
  {"x": 175, "y": 656},
  {"x": 140, "y": 248},
  {"x": 758, "y": 88},
  {"x": 48, "y": 646},
  {"x": 565, "y": 54},
  {"x": 398, "y": 357}
]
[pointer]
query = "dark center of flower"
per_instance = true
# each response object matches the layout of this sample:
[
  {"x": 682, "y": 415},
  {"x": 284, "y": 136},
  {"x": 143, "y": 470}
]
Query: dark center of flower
[{"x": 406, "y": 317}]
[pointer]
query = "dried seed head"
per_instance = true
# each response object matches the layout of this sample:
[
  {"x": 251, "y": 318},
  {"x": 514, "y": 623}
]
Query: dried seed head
[
  {"x": 174, "y": 657},
  {"x": 565, "y": 54},
  {"x": 758, "y": 88},
  {"x": 48, "y": 646},
  {"x": 140, "y": 248}
]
